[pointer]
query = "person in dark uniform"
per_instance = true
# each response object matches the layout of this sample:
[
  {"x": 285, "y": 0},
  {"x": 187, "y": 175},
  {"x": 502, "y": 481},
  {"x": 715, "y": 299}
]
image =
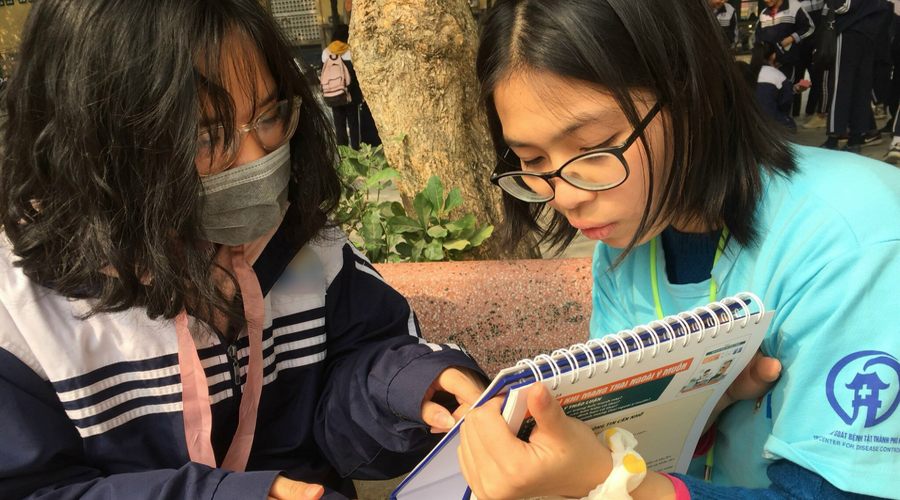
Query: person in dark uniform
[
  {"x": 893, "y": 154},
  {"x": 774, "y": 91},
  {"x": 785, "y": 24},
  {"x": 727, "y": 16},
  {"x": 814, "y": 102},
  {"x": 850, "y": 85}
]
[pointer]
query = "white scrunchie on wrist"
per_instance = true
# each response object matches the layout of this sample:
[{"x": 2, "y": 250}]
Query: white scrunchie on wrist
[{"x": 628, "y": 471}]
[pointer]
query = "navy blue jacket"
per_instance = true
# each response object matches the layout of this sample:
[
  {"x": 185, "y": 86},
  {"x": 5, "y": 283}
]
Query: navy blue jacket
[
  {"x": 727, "y": 17},
  {"x": 91, "y": 408},
  {"x": 858, "y": 15},
  {"x": 775, "y": 95},
  {"x": 791, "y": 20}
]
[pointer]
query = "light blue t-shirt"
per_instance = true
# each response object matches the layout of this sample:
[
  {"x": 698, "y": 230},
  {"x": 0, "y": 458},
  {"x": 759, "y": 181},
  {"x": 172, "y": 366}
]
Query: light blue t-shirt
[{"x": 828, "y": 262}]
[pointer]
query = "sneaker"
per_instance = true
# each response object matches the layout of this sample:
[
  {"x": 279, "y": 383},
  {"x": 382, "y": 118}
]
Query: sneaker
[
  {"x": 872, "y": 138},
  {"x": 893, "y": 155},
  {"x": 852, "y": 148},
  {"x": 830, "y": 143},
  {"x": 815, "y": 121}
]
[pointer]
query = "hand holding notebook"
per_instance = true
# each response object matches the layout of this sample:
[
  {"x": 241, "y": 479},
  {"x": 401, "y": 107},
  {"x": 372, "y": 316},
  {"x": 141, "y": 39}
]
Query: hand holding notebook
[
  {"x": 661, "y": 381},
  {"x": 562, "y": 453}
]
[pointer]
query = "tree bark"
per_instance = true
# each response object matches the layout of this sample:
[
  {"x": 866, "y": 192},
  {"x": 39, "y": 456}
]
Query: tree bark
[{"x": 415, "y": 60}]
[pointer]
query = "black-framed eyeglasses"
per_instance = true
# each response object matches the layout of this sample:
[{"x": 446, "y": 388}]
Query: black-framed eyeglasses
[{"x": 596, "y": 170}]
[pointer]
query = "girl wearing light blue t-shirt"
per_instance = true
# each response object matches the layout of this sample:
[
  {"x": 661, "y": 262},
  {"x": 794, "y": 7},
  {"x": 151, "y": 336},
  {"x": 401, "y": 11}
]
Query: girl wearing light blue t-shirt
[{"x": 627, "y": 121}]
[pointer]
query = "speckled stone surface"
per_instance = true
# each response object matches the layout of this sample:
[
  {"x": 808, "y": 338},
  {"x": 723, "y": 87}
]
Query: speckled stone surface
[{"x": 499, "y": 311}]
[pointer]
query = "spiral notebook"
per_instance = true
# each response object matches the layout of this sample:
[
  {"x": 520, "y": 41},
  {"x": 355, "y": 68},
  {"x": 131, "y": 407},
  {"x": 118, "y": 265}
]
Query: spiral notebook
[{"x": 660, "y": 381}]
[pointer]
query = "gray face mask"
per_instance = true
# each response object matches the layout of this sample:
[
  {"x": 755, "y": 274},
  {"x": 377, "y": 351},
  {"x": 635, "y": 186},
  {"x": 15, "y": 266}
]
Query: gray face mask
[{"x": 243, "y": 203}]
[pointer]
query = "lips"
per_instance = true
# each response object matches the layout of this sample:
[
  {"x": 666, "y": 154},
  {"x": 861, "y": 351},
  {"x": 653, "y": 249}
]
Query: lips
[{"x": 596, "y": 232}]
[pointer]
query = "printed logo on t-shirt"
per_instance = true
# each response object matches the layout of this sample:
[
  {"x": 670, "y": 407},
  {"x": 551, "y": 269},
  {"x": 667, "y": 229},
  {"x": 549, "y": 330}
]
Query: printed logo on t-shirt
[{"x": 864, "y": 386}]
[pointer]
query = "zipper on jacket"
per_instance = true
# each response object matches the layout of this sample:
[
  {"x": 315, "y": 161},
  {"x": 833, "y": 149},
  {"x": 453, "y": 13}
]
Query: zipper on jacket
[{"x": 232, "y": 352}]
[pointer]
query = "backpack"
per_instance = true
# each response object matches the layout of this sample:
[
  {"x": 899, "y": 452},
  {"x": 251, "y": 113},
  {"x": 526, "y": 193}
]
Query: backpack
[
  {"x": 826, "y": 50},
  {"x": 335, "y": 81}
]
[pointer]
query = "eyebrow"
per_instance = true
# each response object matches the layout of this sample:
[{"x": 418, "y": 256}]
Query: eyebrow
[
  {"x": 580, "y": 120},
  {"x": 269, "y": 99}
]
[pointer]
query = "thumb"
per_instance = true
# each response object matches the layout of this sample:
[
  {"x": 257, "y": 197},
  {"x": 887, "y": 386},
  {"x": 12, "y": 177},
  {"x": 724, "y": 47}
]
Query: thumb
[
  {"x": 284, "y": 488},
  {"x": 546, "y": 411},
  {"x": 768, "y": 369},
  {"x": 437, "y": 417}
]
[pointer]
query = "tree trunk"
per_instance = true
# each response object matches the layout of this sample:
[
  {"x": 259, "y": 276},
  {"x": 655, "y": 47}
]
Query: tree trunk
[{"x": 415, "y": 60}]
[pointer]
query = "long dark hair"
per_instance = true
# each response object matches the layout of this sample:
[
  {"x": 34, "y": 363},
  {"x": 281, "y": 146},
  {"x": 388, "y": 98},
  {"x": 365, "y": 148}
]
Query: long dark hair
[
  {"x": 671, "y": 49},
  {"x": 97, "y": 176}
]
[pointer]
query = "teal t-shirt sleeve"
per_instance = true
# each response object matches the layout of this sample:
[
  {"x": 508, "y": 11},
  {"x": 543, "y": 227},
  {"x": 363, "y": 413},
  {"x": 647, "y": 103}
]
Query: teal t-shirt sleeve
[
  {"x": 607, "y": 311},
  {"x": 836, "y": 402}
]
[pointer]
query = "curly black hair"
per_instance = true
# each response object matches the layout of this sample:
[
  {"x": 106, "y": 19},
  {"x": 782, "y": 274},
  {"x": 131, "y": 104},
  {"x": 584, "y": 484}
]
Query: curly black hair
[{"x": 98, "y": 187}]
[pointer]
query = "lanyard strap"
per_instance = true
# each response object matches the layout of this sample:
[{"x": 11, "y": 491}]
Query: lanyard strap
[
  {"x": 195, "y": 391},
  {"x": 654, "y": 274},
  {"x": 657, "y": 303}
]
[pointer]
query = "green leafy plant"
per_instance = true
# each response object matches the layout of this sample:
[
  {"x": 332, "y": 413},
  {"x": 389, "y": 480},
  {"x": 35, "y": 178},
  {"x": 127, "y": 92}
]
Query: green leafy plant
[{"x": 384, "y": 231}]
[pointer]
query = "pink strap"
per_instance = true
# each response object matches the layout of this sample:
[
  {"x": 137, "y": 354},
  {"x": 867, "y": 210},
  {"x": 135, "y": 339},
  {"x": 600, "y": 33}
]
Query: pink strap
[
  {"x": 195, "y": 391},
  {"x": 254, "y": 313},
  {"x": 707, "y": 440},
  {"x": 194, "y": 396},
  {"x": 681, "y": 490}
]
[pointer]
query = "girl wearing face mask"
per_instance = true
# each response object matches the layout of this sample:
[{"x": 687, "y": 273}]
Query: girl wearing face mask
[
  {"x": 178, "y": 317},
  {"x": 627, "y": 121}
]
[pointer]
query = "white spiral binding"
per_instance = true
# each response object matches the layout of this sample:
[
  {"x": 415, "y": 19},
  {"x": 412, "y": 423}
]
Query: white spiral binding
[
  {"x": 731, "y": 300},
  {"x": 623, "y": 347},
  {"x": 607, "y": 352},
  {"x": 670, "y": 333},
  {"x": 588, "y": 355},
  {"x": 755, "y": 299},
  {"x": 653, "y": 335},
  {"x": 725, "y": 310},
  {"x": 535, "y": 369},
  {"x": 555, "y": 371},
  {"x": 713, "y": 317},
  {"x": 573, "y": 363},
  {"x": 690, "y": 324},
  {"x": 685, "y": 328},
  {"x": 638, "y": 343},
  {"x": 697, "y": 321}
]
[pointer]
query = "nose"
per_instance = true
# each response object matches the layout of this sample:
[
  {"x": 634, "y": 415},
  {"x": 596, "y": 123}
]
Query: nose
[
  {"x": 250, "y": 150},
  {"x": 568, "y": 197}
]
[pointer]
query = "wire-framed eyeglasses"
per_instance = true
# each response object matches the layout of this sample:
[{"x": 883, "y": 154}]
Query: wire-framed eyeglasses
[
  {"x": 596, "y": 170},
  {"x": 273, "y": 127}
]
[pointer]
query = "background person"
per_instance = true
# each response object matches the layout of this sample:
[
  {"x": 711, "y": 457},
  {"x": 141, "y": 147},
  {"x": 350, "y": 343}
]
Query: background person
[
  {"x": 653, "y": 147},
  {"x": 180, "y": 318}
]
